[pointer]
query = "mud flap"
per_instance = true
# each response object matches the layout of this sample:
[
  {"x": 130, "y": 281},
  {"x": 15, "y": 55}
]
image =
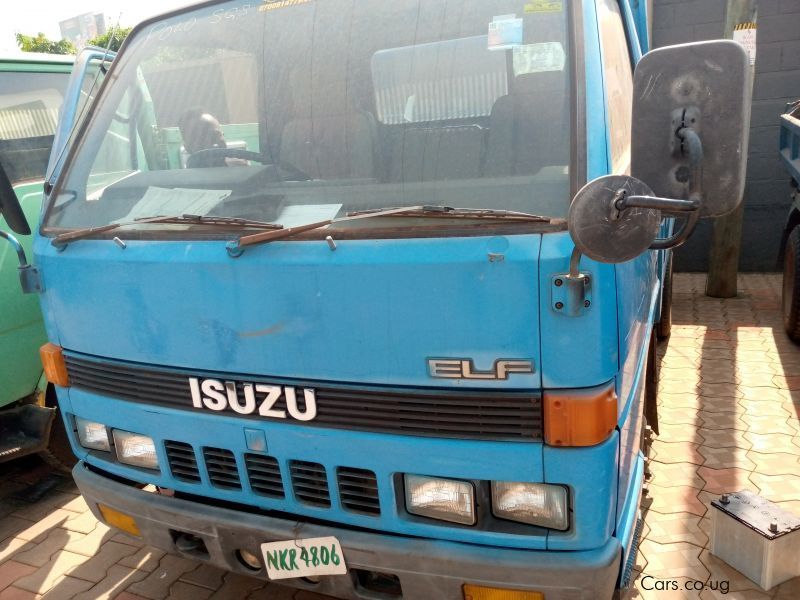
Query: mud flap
[{"x": 24, "y": 429}]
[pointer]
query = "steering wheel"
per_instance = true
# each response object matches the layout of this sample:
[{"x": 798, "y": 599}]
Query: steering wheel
[{"x": 198, "y": 158}]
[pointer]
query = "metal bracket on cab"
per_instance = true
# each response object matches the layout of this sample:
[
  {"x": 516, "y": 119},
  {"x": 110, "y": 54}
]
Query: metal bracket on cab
[{"x": 571, "y": 292}]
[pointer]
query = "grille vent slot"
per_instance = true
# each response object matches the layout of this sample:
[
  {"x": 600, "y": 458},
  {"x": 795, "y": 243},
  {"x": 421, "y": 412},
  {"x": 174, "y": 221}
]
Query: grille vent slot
[
  {"x": 310, "y": 483},
  {"x": 358, "y": 490},
  {"x": 182, "y": 461},
  {"x": 264, "y": 474},
  {"x": 221, "y": 466}
]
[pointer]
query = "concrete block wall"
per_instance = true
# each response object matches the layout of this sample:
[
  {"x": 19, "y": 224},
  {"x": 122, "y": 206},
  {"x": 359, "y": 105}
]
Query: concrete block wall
[{"x": 777, "y": 82}]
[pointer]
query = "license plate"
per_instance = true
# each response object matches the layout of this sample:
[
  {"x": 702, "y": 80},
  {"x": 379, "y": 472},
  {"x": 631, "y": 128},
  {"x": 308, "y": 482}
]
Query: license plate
[{"x": 303, "y": 558}]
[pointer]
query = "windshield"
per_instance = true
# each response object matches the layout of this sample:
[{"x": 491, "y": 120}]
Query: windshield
[
  {"x": 29, "y": 105},
  {"x": 294, "y": 111}
]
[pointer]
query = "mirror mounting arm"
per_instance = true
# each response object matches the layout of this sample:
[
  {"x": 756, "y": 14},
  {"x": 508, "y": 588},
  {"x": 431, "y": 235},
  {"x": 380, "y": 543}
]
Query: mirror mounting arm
[{"x": 28, "y": 274}]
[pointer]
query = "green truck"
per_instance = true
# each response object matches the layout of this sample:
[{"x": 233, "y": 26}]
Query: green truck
[{"x": 32, "y": 90}]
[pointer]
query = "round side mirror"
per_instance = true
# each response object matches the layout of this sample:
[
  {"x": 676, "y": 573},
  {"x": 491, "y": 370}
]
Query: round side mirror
[{"x": 601, "y": 230}]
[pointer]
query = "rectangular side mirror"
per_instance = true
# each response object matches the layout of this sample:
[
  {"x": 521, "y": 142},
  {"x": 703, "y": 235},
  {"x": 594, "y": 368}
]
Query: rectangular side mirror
[
  {"x": 10, "y": 207},
  {"x": 704, "y": 86}
]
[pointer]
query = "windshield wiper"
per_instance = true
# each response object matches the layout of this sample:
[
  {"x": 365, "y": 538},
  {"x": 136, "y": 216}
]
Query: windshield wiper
[
  {"x": 236, "y": 247},
  {"x": 449, "y": 211},
  {"x": 70, "y": 236}
]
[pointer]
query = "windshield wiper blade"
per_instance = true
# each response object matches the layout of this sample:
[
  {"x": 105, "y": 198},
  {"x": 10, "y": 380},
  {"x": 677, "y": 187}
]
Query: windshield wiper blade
[
  {"x": 236, "y": 247},
  {"x": 449, "y": 211},
  {"x": 71, "y": 236}
]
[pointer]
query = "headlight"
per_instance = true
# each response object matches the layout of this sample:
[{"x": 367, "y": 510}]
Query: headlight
[
  {"x": 443, "y": 499},
  {"x": 92, "y": 435},
  {"x": 135, "y": 449},
  {"x": 534, "y": 503}
]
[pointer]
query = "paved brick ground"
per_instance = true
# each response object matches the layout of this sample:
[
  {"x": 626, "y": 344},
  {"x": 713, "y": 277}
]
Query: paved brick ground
[{"x": 730, "y": 399}]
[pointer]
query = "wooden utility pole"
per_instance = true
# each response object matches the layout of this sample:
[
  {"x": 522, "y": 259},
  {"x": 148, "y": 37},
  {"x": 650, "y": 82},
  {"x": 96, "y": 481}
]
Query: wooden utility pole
[{"x": 726, "y": 240}]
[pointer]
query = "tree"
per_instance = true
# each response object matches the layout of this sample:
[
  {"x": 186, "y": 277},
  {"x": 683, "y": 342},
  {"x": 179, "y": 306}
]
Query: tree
[
  {"x": 40, "y": 43},
  {"x": 111, "y": 39}
]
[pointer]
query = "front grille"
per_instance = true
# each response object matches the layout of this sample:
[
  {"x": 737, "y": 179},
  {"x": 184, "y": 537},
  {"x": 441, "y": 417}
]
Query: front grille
[
  {"x": 358, "y": 490},
  {"x": 310, "y": 483},
  {"x": 182, "y": 462},
  {"x": 462, "y": 414},
  {"x": 264, "y": 475},
  {"x": 221, "y": 467}
]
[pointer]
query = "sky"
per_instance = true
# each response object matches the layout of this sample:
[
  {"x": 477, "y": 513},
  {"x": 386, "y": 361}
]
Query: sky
[{"x": 33, "y": 16}]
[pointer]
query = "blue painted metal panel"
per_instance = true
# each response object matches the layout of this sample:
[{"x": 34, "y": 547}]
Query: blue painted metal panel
[
  {"x": 642, "y": 18},
  {"x": 577, "y": 351},
  {"x": 634, "y": 43},
  {"x": 370, "y": 312},
  {"x": 637, "y": 295},
  {"x": 591, "y": 474},
  {"x": 597, "y": 153},
  {"x": 383, "y": 454}
]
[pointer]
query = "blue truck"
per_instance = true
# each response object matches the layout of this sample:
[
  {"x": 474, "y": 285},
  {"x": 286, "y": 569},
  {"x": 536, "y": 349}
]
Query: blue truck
[{"x": 362, "y": 296}]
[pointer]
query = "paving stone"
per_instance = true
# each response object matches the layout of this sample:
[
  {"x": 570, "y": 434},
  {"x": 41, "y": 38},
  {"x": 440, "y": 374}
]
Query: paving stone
[
  {"x": 675, "y": 527},
  {"x": 39, "y": 555},
  {"x": 675, "y": 452},
  {"x": 10, "y": 546},
  {"x": 775, "y": 463},
  {"x": 670, "y": 561},
  {"x": 14, "y": 593},
  {"x": 156, "y": 585},
  {"x": 145, "y": 559},
  {"x": 675, "y": 474},
  {"x": 726, "y": 458},
  {"x": 10, "y": 525},
  {"x": 676, "y": 499},
  {"x": 206, "y": 576},
  {"x": 82, "y": 523},
  {"x": 66, "y": 588},
  {"x": 273, "y": 591},
  {"x": 42, "y": 527},
  {"x": 11, "y": 571},
  {"x": 96, "y": 567},
  {"x": 45, "y": 577},
  {"x": 90, "y": 543},
  {"x": 40, "y": 509},
  {"x": 186, "y": 591},
  {"x": 236, "y": 586},
  {"x": 115, "y": 581},
  {"x": 720, "y": 481}
]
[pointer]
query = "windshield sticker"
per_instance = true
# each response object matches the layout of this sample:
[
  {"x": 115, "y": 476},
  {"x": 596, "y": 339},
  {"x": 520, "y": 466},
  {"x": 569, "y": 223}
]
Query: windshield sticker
[
  {"x": 275, "y": 4},
  {"x": 292, "y": 216},
  {"x": 543, "y": 6},
  {"x": 168, "y": 202},
  {"x": 539, "y": 58},
  {"x": 505, "y": 32}
]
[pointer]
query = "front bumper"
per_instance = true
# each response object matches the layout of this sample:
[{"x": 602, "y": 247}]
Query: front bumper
[{"x": 427, "y": 569}]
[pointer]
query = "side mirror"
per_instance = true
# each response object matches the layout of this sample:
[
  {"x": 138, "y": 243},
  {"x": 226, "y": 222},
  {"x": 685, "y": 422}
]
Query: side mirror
[
  {"x": 10, "y": 208},
  {"x": 691, "y": 119},
  {"x": 704, "y": 88}
]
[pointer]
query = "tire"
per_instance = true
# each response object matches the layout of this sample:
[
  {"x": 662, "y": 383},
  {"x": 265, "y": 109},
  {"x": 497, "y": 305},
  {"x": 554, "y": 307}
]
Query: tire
[
  {"x": 664, "y": 326},
  {"x": 59, "y": 452},
  {"x": 791, "y": 285}
]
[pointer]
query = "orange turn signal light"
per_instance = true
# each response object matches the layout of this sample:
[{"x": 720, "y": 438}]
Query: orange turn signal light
[
  {"x": 120, "y": 520},
  {"x": 479, "y": 592},
  {"x": 583, "y": 417},
  {"x": 55, "y": 369}
]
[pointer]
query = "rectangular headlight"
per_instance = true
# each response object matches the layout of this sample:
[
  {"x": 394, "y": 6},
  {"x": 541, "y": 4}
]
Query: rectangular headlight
[
  {"x": 135, "y": 449},
  {"x": 443, "y": 499},
  {"x": 533, "y": 503},
  {"x": 92, "y": 435}
]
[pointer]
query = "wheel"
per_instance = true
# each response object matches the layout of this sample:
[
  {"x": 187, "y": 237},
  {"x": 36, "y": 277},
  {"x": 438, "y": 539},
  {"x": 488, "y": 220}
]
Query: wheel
[
  {"x": 58, "y": 453},
  {"x": 664, "y": 325},
  {"x": 791, "y": 285}
]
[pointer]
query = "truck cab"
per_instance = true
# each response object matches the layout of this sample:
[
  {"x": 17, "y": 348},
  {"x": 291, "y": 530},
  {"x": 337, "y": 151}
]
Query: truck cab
[
  {"x": 361, "y": 296},
  {"x": 32, "y": 89}
]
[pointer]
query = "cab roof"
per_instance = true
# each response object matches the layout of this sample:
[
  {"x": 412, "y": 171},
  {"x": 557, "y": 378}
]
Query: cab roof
[{"x": 36, "y": 57}]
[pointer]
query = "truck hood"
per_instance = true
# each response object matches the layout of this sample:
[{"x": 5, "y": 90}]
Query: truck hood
[{"x": 371, "y": 311}]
